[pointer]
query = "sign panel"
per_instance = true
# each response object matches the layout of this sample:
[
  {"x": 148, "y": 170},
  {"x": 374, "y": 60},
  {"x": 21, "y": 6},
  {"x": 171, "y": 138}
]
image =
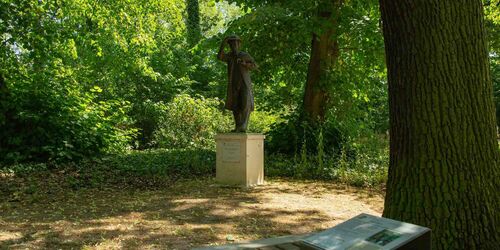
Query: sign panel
[{"x": 366, "y": 232}]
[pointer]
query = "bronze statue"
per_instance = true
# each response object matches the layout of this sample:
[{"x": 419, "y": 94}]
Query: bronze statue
[{"x": 239, "y": 89}]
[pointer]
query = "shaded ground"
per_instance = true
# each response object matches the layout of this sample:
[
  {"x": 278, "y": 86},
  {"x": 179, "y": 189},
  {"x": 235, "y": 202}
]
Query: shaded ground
[{"x": 180, "y": 215}]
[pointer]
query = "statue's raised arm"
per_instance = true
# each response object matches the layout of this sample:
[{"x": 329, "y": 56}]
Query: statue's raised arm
[{"x": 221, "y": 55}]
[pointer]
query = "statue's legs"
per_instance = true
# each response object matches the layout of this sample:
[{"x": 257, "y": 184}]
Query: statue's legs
[
  {"x": 241, "y": 118},
  {"x": 242, "y": 114},
  {"x": 237, "y": 120},
  {"x": 246, "y": 103}
]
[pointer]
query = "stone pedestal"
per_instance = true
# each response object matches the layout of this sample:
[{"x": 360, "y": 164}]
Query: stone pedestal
[{"x": 240, "y": 159}]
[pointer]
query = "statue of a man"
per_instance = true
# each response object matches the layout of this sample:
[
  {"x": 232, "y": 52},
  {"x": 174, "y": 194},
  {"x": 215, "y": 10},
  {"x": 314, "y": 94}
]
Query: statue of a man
[{"x": 239, "y": 89}]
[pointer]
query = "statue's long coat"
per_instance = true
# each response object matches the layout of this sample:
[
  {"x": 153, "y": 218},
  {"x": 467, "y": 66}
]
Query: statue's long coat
[{"x": 239, "y": 80}]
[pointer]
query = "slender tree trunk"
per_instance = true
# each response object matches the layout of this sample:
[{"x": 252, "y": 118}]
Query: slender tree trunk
[
  {"x": 324, "y": 53},
  {"x": 193, "y": 22},
  {"x": 444, "y": 159}
]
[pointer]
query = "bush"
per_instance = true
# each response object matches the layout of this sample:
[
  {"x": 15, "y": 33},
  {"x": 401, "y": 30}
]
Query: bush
[
  {"x": 189, "y": 122},
  {"x": 147, "y": 117},
  {"x": 150, "y": 169},
  {"x": 175, "y": 163},
  {"x": 261, "y": 121},
  {"x": 58, "y": 121},
  {"x": 293, "y": 134},
  {"x": 367, "y": 169}
]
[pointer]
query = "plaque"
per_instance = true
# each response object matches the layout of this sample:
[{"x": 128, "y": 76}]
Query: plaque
[
  {"x": 231, "y": 151},
  {"x": 363, "y": 232},
  {"x": 371, "y": 232}
]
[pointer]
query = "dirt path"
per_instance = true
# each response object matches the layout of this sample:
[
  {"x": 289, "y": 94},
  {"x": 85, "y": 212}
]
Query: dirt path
[{"x": 186, "y": 215}]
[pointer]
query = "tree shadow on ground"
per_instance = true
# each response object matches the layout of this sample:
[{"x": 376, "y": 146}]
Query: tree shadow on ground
[{"x": 181, "y": 216}]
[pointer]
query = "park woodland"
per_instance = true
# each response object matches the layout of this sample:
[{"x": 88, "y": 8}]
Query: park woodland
[{"x": 233, "y": 124}]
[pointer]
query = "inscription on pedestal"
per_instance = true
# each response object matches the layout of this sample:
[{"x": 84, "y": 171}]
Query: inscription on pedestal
[{"x": 231, "y": 151}]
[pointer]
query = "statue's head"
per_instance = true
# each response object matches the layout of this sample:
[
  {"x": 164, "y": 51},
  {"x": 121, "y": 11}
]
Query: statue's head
[{"x": 234, "y": 42}]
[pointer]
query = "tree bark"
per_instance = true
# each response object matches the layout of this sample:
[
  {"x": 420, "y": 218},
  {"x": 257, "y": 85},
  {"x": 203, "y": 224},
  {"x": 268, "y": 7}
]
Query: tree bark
[
  {"x": 324, "y": 52},
  {"x": 444, "y": 172}
]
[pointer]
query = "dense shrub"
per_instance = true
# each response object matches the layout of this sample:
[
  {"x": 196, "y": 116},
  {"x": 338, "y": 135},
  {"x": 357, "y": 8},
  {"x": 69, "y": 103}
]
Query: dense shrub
[
  {"x": 261, "y": 121},
  {"x": 368, "y": 167},
  {"x": 150, "y": 169},
  {"x": 293, "y": 134},
  {"x": 147, "y": 118},
  {"x": 44, "y": 121},
  {"x": 189, "y": 122},
  {"x": 326, "y": 150},
  {"x": 176, "y": 163}
]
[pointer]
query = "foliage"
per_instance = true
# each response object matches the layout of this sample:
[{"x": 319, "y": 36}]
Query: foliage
[
  {"x": 215, "y": 16},
  {"x": 261, "y": 121},
  {"x": 191, "y": 123},
  {"x": 495, "y": 76},
  {"x": 53, "y": 120},
  {"x": 138, "y": 56},
  {"x": 137, "y": 169},
  {"x": 278, "y": 35},
  {"x": 492, "y": 18},
  {"x": 147, "y": 116},
  {"x": 362, "y": 163},
  {"x": 292, "y": 135},
  {"x": 193, "y": 21},
  {"x": 188, "y": 122},
  {"x": 77, "y": 73},
  {"x": 174, "y": 163},
  {"x": 326, "y": 151}
]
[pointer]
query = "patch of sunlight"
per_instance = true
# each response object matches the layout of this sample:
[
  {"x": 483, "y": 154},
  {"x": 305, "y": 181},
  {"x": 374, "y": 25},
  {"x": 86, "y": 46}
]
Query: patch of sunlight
[
  {"x": 184, "y": 204},
  {"x": 6, "y": 235}
]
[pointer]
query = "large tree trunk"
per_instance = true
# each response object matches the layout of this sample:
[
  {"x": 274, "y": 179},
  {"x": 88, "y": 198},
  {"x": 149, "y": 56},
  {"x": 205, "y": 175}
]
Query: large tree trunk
[
  {"x": 324, "y": 53},
  {"x": 444, "y": 171}
]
